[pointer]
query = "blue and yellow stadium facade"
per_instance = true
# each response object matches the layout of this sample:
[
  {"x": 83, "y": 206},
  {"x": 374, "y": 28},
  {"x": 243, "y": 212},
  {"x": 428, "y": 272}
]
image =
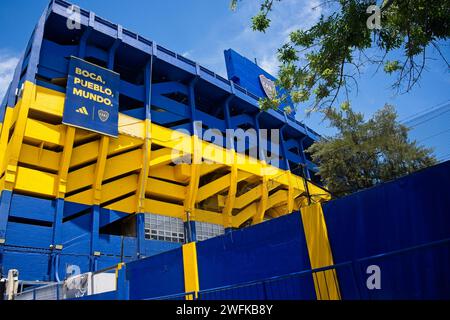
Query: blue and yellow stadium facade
[
  {"x": 71, "y": 196},
  {"x": 63, "y": 189}
]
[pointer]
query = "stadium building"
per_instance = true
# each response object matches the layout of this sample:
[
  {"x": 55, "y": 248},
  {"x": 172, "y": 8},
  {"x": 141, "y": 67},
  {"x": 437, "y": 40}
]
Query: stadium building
[{"x": 136, "y": 168}]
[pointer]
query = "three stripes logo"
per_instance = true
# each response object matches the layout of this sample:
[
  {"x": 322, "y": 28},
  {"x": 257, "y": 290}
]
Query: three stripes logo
[{"x": 82, "y": 110}]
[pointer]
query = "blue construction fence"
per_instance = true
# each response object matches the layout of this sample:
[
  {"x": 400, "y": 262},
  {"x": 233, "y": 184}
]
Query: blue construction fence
[
  {"x": 289, "y": 286},
  {"x": 401, "y": 227}
]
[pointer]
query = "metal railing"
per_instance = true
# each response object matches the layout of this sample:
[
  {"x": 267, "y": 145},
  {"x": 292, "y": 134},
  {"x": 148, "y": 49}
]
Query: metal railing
[
  {"x": 180, "y": 296},
  {"x": 297, "y": 285},
  {"x": 51, "y": 291},
  {"x": 57, "y": 291}
]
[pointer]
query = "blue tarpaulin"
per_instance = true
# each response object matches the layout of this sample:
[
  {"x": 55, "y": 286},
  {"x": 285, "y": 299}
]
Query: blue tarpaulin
[{"x": 407, "y": 223}]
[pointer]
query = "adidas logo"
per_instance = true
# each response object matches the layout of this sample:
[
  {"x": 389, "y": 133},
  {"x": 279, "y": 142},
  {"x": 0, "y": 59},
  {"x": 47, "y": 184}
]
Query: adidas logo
[{"x": 82, "y": 110}]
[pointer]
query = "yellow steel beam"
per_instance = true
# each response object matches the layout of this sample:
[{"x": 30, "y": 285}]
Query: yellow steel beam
[
  {"x": 131, "y": 126},
  {"x": 123, "y": 163},
  {"x": 208, "y": 216},
  {"x": 227, "y": 211},
  {"x": 161, "y": 157},
  {"x": 208, "y": 168},
  {"x": 81, "y": 178},
  {"x": 179, "y": 173},
  {"x": 291, "y": 193},
  {"x": 15, "y": 144},
  {"x": 213, "y": 187},
  {"x": 109, "y": 191},
  {"x": 115, "y": 166},
  {"x": 145, "y": 160},
  {"x": 37, "y": 131},
  {"x": 278, "y": 198},
  {"x": 40, "y": 158},
  {"x": 61, "y": 186},
  {"x": 163, "y": 189},
  {"x": 4, "y": 136},
  {"x": 220, "y": 184},
  {"x": 126, "y": 205},
  {"x": 35, "y": 182},
  {"x": 88, "y": 152},
  {"x": 252, "y": 195},
  {"x": 100, "y": 169},
  {"x": 263, "y": 202},
  {"x": 164, "y": 208},
  {"x": 244, "y": 215},
  {"x": 49, "y": 101},
  {"x": 192, "y": 189}
]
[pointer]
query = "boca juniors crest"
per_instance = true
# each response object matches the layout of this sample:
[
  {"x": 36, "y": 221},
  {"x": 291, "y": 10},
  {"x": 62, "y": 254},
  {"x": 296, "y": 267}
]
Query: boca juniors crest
[{"x": 268, "y": 86}]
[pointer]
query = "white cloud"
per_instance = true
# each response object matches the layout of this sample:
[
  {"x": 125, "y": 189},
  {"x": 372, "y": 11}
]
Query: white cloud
[
  {"x": 187, "y": 54},
  {"x": 8, "y": 63},
  {"x": 269, "y": 63}
]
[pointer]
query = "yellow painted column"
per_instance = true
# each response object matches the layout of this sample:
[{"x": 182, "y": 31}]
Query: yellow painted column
[
  {"x": 262, "y": 204},
  {"x": 290, "y": 200},
  {"x": 319, "y": 250},
  {"x": 231, "y": 197},
  {"x": 192, "y": 188},
  {"x": 100, "y": 169},
  {"x": 66, "y": 155},
  {"x": 4, "y": 137},
  {"x": 143, "y": 176},
  {"x": 191, "y": 283},
  {"x": 15, "y": 144}
]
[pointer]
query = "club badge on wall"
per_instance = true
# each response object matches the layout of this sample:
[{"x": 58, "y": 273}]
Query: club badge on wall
[
  {"x": 103, "y": 115},
  {"x": 268, "y": 86}
]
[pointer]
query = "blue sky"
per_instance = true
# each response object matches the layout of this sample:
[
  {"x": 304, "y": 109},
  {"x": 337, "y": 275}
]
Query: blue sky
[{"x": 202, "y": 29}]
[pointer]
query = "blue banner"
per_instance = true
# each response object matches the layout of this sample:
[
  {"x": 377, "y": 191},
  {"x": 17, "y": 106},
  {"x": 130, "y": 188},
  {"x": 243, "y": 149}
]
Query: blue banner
[{"x": 92, "y": 98}]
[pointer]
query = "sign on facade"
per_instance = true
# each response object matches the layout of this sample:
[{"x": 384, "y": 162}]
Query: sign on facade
[{"x": 92, "y": 98}]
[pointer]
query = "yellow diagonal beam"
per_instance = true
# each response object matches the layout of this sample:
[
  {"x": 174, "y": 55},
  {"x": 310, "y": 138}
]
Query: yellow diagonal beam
[
  {"x": 143, "y": 175},
  {"x": 4, "y": 136},
  {"x": 61, "y": 187},
  {"x": 15, "y": 144},
  {"x": 213, "y": 187},
  {"x": 244, "y": 215},
  {"x": 100, "y": 169},
  {"x": 231, "y": 197},
  {"x": 180, "y": 173},
  {"x": 161, "y": 157},
  {"x": 163, "y": 189},
  {"x": 263, "y": 202},
  {"x": 192, "y": 189}
]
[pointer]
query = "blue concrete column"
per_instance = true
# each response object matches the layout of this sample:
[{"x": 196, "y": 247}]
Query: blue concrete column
[
  {"x": 140, "y": 234},
  {"x": 123, "y": 292},
  {"x": 33, "y": 59},
  {"x": 95, "y": 226},
  {"x": 56, "y": 240},
  {"x": 5, "y": 205},
  {"x": 302, "y": 149},
  {"x": 227, "y": 114},
  {"x": 261, "y": 154},
  {"x": 231, "y": 142},
  {"x": 190, "y": 232},
  {"x": 83, "y": 42},
  {"x": 192, "y": 106},
  {"x": 57, "y": 224},
  {"x": 283, "y": 149}
]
